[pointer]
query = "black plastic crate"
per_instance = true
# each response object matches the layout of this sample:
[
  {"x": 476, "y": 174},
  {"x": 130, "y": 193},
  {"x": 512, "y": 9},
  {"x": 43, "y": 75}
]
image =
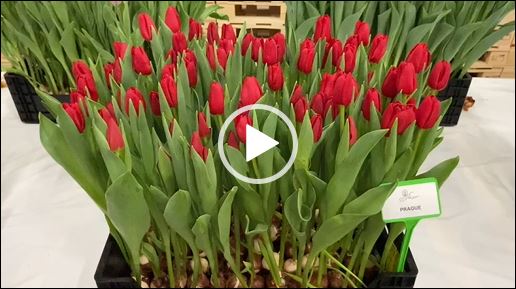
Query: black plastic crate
[
  {"x": 27, "y": 101},
  {"x": 458, "y": 90},
  {"x": 114, "y": 272}
]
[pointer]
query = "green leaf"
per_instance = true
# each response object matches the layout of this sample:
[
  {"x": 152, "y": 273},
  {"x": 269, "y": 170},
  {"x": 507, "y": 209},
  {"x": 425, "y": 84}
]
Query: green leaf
[
  {"x": 224, "y": 223},
  {"x": 304, "y": 28},
  {"x": 347, "y": 26},
  {"x": 441, "y": 171},
  {"x": 457, "y": 40},
  {"x": 305, "y": 145},
  {"x": 178, "y": 215},
  {"x": 206, "y": 186}
]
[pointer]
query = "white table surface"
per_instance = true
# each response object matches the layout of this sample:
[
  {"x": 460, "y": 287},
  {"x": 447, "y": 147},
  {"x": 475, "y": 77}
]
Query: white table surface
[{"x": 53, "y": 234}]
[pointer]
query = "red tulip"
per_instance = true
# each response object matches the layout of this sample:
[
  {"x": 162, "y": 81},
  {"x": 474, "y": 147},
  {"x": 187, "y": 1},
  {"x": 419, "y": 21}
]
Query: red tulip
[
  {"x": 346, "y": 88},
  {"x": 169, "y": 87},
  {"x": 210, "y": 54},
  {"x": 233, "y": 140},
  {"x": 297, "y": 94},
  {"x": 390, "y": 83},
  {"x": 336, "y": 53},
  {"x": 191, "y": 67},
  {"x": 405, "y": 114},
  {"x": 279, "y": 38},
  {"x": 179, "y": 42},
  {"x": 248, "y": 39},
  {"x": 378, "y": 48},
  {"x": 216, "y": 99},
  {"x": 372, "y": 96},
  {"x": 117, "y": 71},
  {"x": 353, "y": 132},
  {"x": 154, "y": 101},
  {"x": 251, "y": 91},
  {"x": 322, "y": 28},
  {"x": 350, "y": 57},
  {"x": 317, "y": 127},
  {"x": 85, "y": 85},
  {"x": 270, "y": 52},
  {"x": 255, "y": 50},
  {"x": 300, "y": 108},
  {"x": 407, "y": 78},
  {"x": 134, "y": 95},
  {"x": 327, "y": 84},
  {"x": 108, "y": 71},
  {"x": 306, "y": 56},
  {"x": 114, "y": 136},
  {"x": 241, "y": 122},
  {"x": 198, "y": 147},
  {"x": 74, "y": 112},
  {"x": 320, "y": 104},
  {"x": 428, "y": 112},
  {"x": 80, "y": 68},
  {"x": 195, "y": 30},
  {"x": 146, "y": 26},
  {"x": 204, "y": 129},
  {"x": 228, "y": 32},
  {"x": 228, "y": 45},
  {"x": 172, "y": 19},
  {"x": 420, "y": 57},
  {"x": 440, "y": 76},
  {"x": 213, "y": 33},
  {"x": 107, "y": 113},
  {"x": 111, "y": 110},
  {"x": 141, "y": 62},
  {"x": 275, "y": 77},
  {"x": 168, "y": 70},
  {"x": 222, "y": 57},
  {"x": 76, "y": 96},
  {"x": 353, "y": 41},
  {"x": 120, "y": 48},
  {"x": 363, "y": 32}
]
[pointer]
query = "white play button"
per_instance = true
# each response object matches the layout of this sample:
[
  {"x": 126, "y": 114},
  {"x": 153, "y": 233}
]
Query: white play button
[{"x": 257, "y": 143}]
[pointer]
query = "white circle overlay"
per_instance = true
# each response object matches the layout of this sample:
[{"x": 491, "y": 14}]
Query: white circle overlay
[{"x": 222, "y": 133}]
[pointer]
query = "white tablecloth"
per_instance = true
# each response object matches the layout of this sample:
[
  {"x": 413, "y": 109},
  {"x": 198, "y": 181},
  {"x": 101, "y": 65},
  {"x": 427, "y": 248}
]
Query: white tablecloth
[{"x": 53, "y": 235}]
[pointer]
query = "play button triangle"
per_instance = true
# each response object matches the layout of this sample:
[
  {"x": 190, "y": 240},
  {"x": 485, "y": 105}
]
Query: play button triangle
[{"x": 257, "y": 143}]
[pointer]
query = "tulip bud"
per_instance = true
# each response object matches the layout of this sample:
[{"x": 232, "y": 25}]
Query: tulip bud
[
  {"x": 407, "y": 79},
  {"x": 228, "y": 45},
  {"x": 322, "y": 28},
  {"x": 195, "y": 29},
  {"x": 117, "y": 71},
  {"x": 390, "y": 83},
  {"x": 210, "y": 54},
  {"x": 114, "y": 136},
  {"x": 76, "y": 96},
  {"x": 191, "y": 67},
  {"x": 154, "y": 101},
  {"x": 352, "y": 41},
  {"x": 107, "y": 113},
  {"x": 279, "y": 38},
  {"x": 74, "y": 112},
  {"x": 233, "y": 140},
  {"x": 168, "y": 70},
  {"x": 275, "y": 77},
  {"x": 363, "y": 33},
  {"x": 318, "y": 104},
  {"x": 204, "y": 129},
  {"x": 270, "y": 52},
  {"x": 248, "y": 39},
  {"x": 440, "y": 76},
  {"x": 80, "y": 68},
  {"x": 306, "y": 56},
  {"x": 405, "y": 114},
  {"x": 336, "y": 53},
  {"x": 134, "y": 95},
  {"x": 198, "y": 147},
  {"x": 327, "y": 84},
  {"x": 372, "y": 96},
  {"x": 317, "y": 127},
  {"x": 172, "y": 19},
  {"x": 300, "y": 108},
  {"x": 428, "y": 112},
  {"x": 108, "y": 71},
  {"x": 251, "y": 91},
  {"x": 222, "y": 57},
  {"x": 216, "y": 99},
  {"x": 168, "y": 85},
  {"x": 241, "y": 122},
  {"x": 213, "y": 33},
  {"x": 350, "y": 57},
  {"x": 120, "y": 48},
  {"x": 228, "y": 32},
  {"x": 86, "y": 86},
  {"x": 146, "y": 26},
  {"x": 346, "y": 88},
  {"x": 353, "y": 132},
  {"x": 257, "y": 46},
  {"x": 141, "y": 62},
  {"x": 378, "y": 48},
  {"x": 179, "y": 42},
  {"x": 297, "y": 94},
  {"x": 420, "y": 57}
]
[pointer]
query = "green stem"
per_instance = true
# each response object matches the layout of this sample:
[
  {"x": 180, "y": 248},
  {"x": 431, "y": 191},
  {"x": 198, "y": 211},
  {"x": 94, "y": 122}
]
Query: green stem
[
  {"x": 168, "y": 256},
  {"x": 340, "y": 265},
  {"x": 283, "y": 240},
  {"x": 237, "y": 240},
  {"x": 250, "y": 250},
  {"x": 322, "y": 269},
  {"x": 197, "y": 264},
  {"x": 300, "y": 254},
  {"x": 272, "y": 261}
]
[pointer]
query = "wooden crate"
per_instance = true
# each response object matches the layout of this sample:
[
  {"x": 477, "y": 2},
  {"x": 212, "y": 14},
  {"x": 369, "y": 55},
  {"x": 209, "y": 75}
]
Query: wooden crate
[
  {"x": 482, "y": 69},
  {"x": 504, "y": 44},
  {"x": 5, "y": 62},
  {"x": 261, "y": 17},
  {"x": 496, "y": 58},
  {"x": 507, "y": 72}
]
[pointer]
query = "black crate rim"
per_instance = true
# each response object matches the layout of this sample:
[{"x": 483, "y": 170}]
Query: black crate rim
[{"x": 457, "y": 89}]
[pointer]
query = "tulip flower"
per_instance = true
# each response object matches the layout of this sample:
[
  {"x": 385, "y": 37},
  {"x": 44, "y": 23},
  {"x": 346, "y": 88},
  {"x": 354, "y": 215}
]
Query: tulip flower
[
  {"x": 440, "y": 76},
  {"x": 216, "y": 99},
  {"x": 154, "y": 101},
  {"x": 108, "y": 71},
  {"x": 228, "y": 45},
  {"x": 210, "y": 54},
  {"x": 191, "y": 67},
  {"x": 117, "y": 71},
  {"x": 362, "y": 32},
  {"x": 407, "y": 78},
  {"x": 317, "y": 127},
  {"x": 76, "y": 96},
  {"x": 146, "y": 26},
  {"x": 168, "y": 85},
  {"x": 405, "y": 114},
  {"x": 233, "y": 140},
  {"x": 80, "y": 68},
  {"x": 248, "y": 39},
  {"x": 428, "y": 112},
  {"x": 241, "y": 122},
  {"x": 390, "y": 83},
  {"x": 204, "y": 129},
  {"x": 222, "y": 57},
  {"x": 345, "y": 89},
  {"x": 327, "y": 84},
  {"x": 279, "y": 38},
  {"x": 141, "y": 62},
  {"x": 107, "y": 113},
  {"x": 134, "y": 95},
  {"x": 172, "y": 20},
  {"x": 168, "y": 70},
  {"x": 320, "y": 104},
  {"x": 251, "y": 91},
  {"x": 195, "y": 29},
  {"x": 420, "y": 57},
  {"x": 378, "y": 48},
  {"x": 198, "y": 147},
  {"x": 353, "y": 132},
  {"x": 228, "y": 32},
  {"x": 213, "y": 33},
  {"x": 255, "y": 49},
  {"x": 86, "y": 86},
  {"x": 297, "y": 94},
  {"x": 119, "y": 49},
  {"x": 275, "y": 77},
  {"x": 74, "y": 112},
  {"x": 306, "y": 56},
  {"x": 353, "y": 41},
  {"x": 350, "y": 57},
  {"x": 322, "y": 28},
  {"x": 336, "y": 53},
  {"x": 179, "y": 42},
  {"x": 270, "y": 52},
  {"x": 114, "y": 136},
  {"x": 300, "y": 108},
  {"x": 372, "y": 96}
]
